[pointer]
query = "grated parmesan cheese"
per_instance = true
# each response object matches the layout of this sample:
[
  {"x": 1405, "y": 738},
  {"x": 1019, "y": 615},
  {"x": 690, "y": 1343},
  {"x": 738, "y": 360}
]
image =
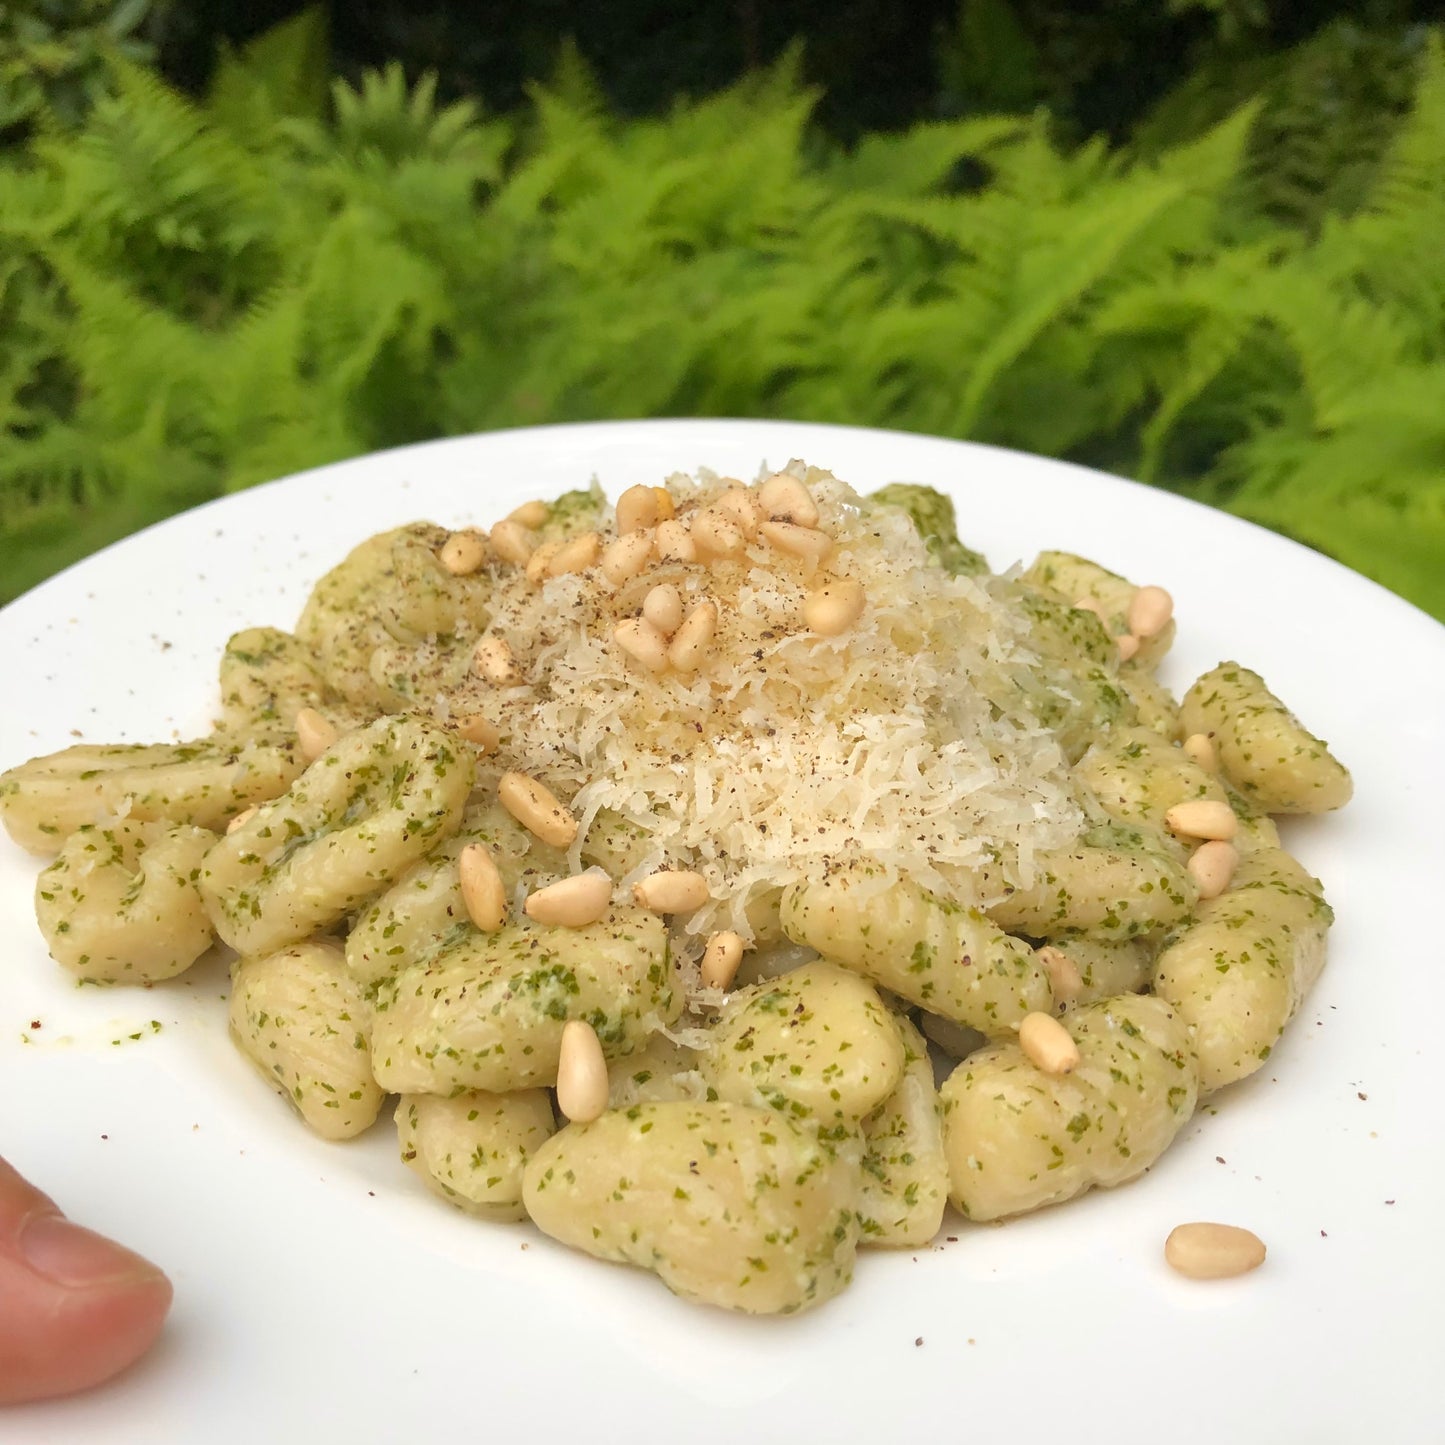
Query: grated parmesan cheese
[{"x": 787, "y": 752}]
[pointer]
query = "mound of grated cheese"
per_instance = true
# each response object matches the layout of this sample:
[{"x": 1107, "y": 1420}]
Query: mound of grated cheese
[{"x": 787, "y": 752}]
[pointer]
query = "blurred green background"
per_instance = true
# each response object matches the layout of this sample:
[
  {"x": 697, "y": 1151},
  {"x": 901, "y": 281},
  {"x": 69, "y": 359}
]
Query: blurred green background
[{"x": 1197, "y": 242}]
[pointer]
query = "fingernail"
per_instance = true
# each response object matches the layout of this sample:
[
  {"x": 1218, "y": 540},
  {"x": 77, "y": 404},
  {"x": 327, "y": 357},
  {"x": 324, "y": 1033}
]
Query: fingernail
[{"x": 76, "y": 1257}]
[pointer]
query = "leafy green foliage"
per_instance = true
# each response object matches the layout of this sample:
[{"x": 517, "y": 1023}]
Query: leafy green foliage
[
  {"x": 195, "y": 297},
  {"x": 53, "y": 55}
]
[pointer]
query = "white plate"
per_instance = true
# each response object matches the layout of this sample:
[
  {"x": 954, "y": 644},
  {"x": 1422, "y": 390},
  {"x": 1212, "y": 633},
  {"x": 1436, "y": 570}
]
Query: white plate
[{"x": 321, "y": 1294}]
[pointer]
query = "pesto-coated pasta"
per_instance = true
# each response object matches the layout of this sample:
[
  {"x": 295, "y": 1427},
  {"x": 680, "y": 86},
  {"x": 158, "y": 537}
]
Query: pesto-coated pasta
[
  {"x": 306, "y": 1025},
  {"x": 1264, "y": 749},
  {"x": 730, "y": 1205},
  {"x": 1239, "y": 972},
  {"x": 267, "y": 677},
  {"x": 904, "y": 1184},
  {"x": 817, "y": 1043},
  {"x": 472, "y": 1148},
  {"x": 948, "y": 959},
  {"x": 370, "y": 620},
  {"x": 120, "y": 905},
  {"x": 716, "y": 825},
  {"x": 204, "y": 783},
  {"x": 1115, "y": 883},
  {"x": 1075, "y": 579},
  {"x": 488, "y": 1012},
  {"x": 423, "y": 912},
  {"x": 1017, "y": 1138},
  {"x": 372, "y": 804}
]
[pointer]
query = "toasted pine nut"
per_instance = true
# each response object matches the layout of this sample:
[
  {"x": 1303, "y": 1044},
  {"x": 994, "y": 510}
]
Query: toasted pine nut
[
  {"x": 666, "y": 507},
  {"x": 796, "y": 540},
  {"x": 242, "y": 818},
  {"x": 483, "y": 892},
  {"x": 674, "y": 542},
  {"x": 573, "y": 902},
  {"x": 785, "y": 499},
  {"x": 673, "y": 890},
  {"x": 1065, "y": 980},
  {"x": 1200, "y": 747},
  {"x": 1047, "y": 1044},
  {"x": 1202, "y": 818},
  {"x": 539, "y": 564},
  {"x": 582, "y": 1086},
  {"x": 662, "y": 607},
  {"x": 636, "y": 510},
  {"x": 690, "y": 642},
  {"x": 575, "y": 555},
  {"x": 1149, "y": 611},
  {"x": 1212, "y": 865},
  {"x": 738, "y": 503},
  {"x": 493, "y": 660},
  {"x": 530, "y": 515},
  {"x": 313, "y": 733},
  {"x": 479, "y": 731},
  {"x": 625, "y": 558},
  {"x": 512, "y": 542},
  {"x": 834, "y": 608},
  {"x": 536, "y": 808},
  {"x": 463, "y": 552},
  {"x": 643, "y": 643},
  {"x": 720, "y": 959},
  {"x": 1128, "y": 646},
  {"x": 717, "y": 534},
  {"x": 1213, "y": 1251}
]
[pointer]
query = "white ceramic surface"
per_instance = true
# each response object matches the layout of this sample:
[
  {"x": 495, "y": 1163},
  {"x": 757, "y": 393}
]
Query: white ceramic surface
[{"x": 322, "y": 1295}]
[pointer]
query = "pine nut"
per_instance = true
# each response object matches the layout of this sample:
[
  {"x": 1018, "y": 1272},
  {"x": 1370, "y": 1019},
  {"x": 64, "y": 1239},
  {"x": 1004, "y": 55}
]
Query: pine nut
[
  {"x": 582, "y": 1086},
  {"x": 1200, "y": 748},
  {"x": 1212, "y": 865},
  {"x": 1047, "y": 1044},
  {"x": 539, "y": 564},
  {"x": 643, "y": 643},
  {"x": 483, "y": 892},
  {"x": 1149, "y": 611},
  {"x": 720, "y": 959},
  {"x": 313, "y": 733},
  {"x": 530, "y": 515},
  {"x": 691, "y": 641},
  {"x": 717, "y": 534},
  {"x": 478, "y": 731},
  {"x": 636, "y": 510},
  {"x": 674, "y": 542},
  {"x": 666, "y": 507},
  {"x": 785, "y": 499},
  {"x": 1202, "y": 818},
  {"x": 1128, "y": 646},
  {"x": 1213, "y": 1251},
  {"x": 463, "y": 552},
  {"x": 796, "y": 540},
  {"x": 1090, "y": 604},
  {"x": 576, "y": 555},
  {"x": 512, "y": 542},
  {"x": 626, "y": 558},
  {"x": 573, "y": 902},
  {"x": 493, "y": 660},
  {"x": 537, "y": 809},
  {"x": 1065, "y": 980},
  {"x": 662, "y": 607},
  {"x": 673, "y": 890},
  {"x": 832, "y": 610},
  {"x": 242, "y": 818},
  {"x": 738, "y": 503}
]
